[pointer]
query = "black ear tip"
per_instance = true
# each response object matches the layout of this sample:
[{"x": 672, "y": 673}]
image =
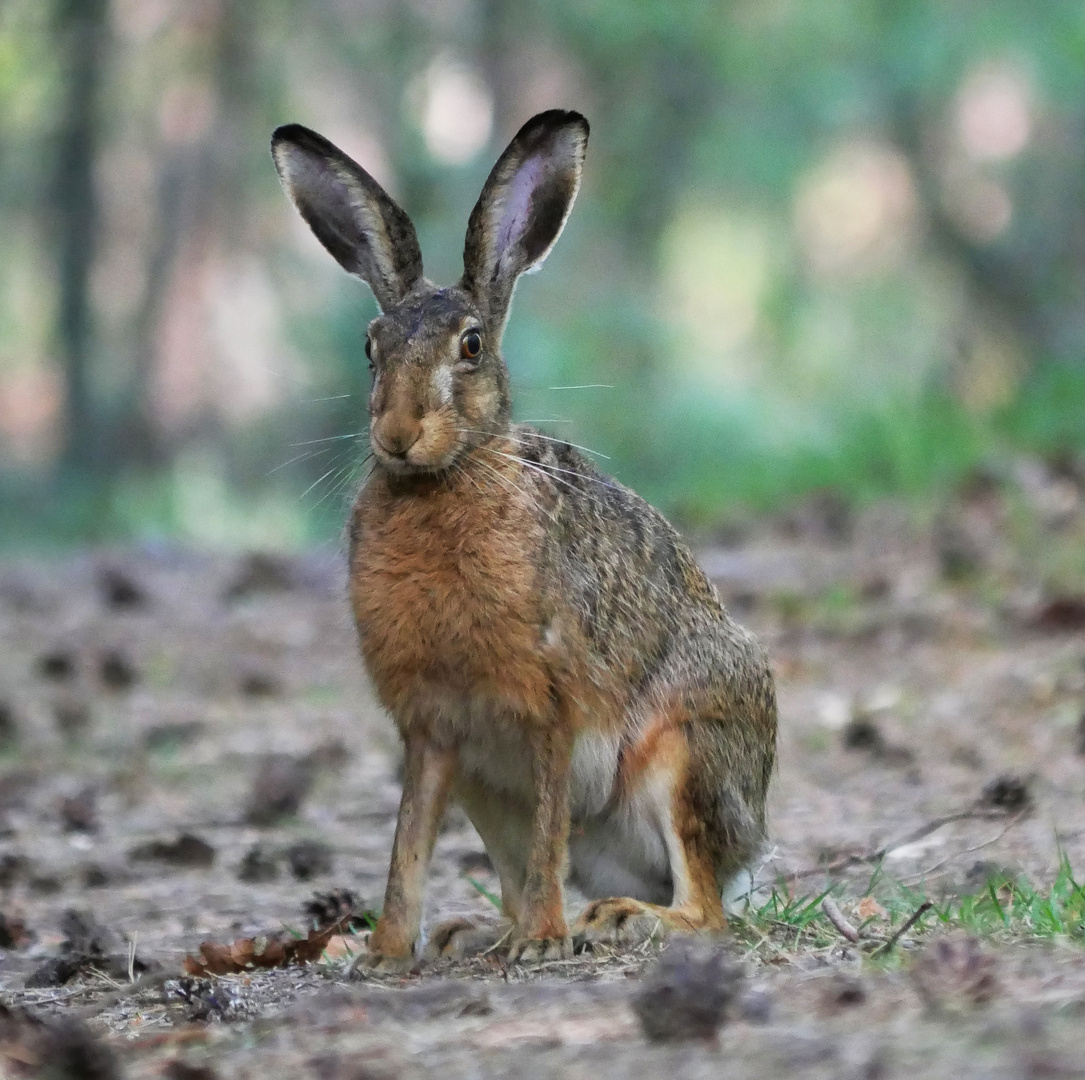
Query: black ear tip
[
  {"x": 553, "y": 120},
  {"x": 285, "y": 132},
  {"x": 298, "y": 135}
]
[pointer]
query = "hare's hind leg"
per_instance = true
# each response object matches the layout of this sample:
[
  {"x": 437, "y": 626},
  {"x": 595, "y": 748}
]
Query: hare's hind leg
[
  {"x": 656, "y": 799},
  {"x": 698, "y": 773}
]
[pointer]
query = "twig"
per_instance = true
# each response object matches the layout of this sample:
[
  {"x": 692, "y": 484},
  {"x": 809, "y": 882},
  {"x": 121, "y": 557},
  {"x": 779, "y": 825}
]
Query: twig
[
  {"x": 132, "y": 956},
  {"x": 144, "y": 982},
  {"x": 904, "y": 928},
  {"x": 836, "y": 917},
  {"x": 966, "y": 851},
  {"x": 909, "y": 838}
]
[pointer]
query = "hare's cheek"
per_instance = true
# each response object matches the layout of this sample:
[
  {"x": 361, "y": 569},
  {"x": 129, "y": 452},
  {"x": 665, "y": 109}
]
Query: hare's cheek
[
  {"x": 437, "y": 441},
  {"x": 480, "y": 403}
]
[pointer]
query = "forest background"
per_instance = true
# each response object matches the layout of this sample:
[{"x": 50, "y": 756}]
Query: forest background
[{"x": 832, "y": 247}]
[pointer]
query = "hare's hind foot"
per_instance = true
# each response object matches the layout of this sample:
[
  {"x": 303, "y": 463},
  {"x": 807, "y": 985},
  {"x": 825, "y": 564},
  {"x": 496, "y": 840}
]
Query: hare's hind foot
[
  {"x": 525, "y": 950},
  {"x": 622, "y": 920},
  {"x": 460, "y": 939}
]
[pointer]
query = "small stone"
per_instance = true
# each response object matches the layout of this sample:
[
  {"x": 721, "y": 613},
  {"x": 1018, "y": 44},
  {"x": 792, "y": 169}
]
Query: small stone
[
  {"x": 13, "y": 932},
  {"x": 258, "y": 865},
  {"x": 260, "y": 684},
  {"x": 685, "y": 995},
  {"x": 119, "y": 590},
  {"x": 1007, "y": 792},
  {"x": 117, "y": 672},
  {"x": 261, "y": 572},
  {"x": 57, "y": 666},
  {"x": 863, "y": 734},
  {"x": 326, "y": 909},
  {"x": 54, "y": 972},
  {"x": 72, "y": 716},
  {"x": 756, "y": 1005},
  {"x": 169, "y": 736},
  {"x": 9, "y": 728},
  {"x": 181, "y": 1070},
  {"x": 843, "y": 991},
  {"x": 188, "y": 850},
  {"x": 281, "y": 785},
  {"x": 12, "y": 867},
  {"x": 309, "y": 859},
  {"x": 80, "y": 812},
  {"x": 955, "y": 973}
]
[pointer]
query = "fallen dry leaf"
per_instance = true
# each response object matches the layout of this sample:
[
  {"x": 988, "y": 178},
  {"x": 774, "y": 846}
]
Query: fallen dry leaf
[
  {"x": 869, "y": 908},
  {"x": 262, "y": 951}
]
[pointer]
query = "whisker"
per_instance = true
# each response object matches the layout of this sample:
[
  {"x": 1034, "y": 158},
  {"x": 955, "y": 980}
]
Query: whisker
[
  {"x": 333, "y": 397},
  {"x": 346, "y": 475},
  {"x": 551, "y": 468},
  {"x": 458, "y": 469},
  {"x": 317, "y": 482},
  {"x": 301, "y": 457},
  {"x": 507, "y": 482},
  {"x": 548, "y": 438},
  {"x": 584, "y": 386},
  {"x": 332, "y": 438},
  {"x": 532, "y": 465}
]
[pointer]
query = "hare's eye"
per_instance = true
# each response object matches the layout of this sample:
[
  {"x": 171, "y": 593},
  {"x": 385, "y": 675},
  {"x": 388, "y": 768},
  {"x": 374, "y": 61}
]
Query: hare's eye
[
  {"x": 471, "y": 345},
  {"x": 369, "y": 352}
]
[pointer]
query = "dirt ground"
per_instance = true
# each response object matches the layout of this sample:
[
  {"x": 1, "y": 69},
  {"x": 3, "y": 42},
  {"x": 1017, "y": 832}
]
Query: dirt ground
[{"x": 928, "y": 667}]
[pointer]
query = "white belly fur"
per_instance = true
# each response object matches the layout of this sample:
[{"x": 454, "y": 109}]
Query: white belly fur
[{"x": 615, "y": 849}]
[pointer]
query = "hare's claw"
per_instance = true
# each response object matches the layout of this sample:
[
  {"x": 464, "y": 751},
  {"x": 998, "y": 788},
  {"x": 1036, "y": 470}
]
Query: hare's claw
[
  {"x": 619, "y": 921},
  {"x": 538, "y": 950},
  {"x": 376, "y": 964}
]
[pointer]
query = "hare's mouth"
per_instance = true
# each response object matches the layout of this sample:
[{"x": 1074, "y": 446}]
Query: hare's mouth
[{"x": 412, "y": 461}]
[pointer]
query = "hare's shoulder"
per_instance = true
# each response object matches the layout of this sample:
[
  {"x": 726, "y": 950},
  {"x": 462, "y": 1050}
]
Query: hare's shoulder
[{"x": 608, "y": 543}]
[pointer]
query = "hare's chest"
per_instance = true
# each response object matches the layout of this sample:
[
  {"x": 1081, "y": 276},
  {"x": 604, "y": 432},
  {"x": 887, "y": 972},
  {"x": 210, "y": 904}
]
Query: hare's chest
[{"x": 447, "y": 602}]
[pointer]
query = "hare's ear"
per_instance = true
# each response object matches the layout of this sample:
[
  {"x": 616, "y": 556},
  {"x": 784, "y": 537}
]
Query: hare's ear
[
  {"x": 350, "y": 213},
  {"x": 523, "y": 208}
]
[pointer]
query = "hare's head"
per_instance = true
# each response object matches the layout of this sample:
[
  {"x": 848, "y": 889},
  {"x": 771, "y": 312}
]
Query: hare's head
[{"x": 440, "y": 385}]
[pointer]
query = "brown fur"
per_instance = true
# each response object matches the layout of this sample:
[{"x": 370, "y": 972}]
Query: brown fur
[{"x": 550, "y": 651}]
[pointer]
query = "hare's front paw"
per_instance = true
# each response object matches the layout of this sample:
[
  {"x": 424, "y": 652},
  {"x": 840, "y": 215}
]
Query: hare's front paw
[
  {"x": 371, "y": 963},
  {"x": 529, "y": 950},
  {"x": 456, "y": 939},
  {"x": 620, "y": 921}
]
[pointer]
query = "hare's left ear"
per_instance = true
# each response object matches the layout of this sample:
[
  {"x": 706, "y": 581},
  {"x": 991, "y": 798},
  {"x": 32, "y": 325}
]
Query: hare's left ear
[{"x": 523, "y": 208}]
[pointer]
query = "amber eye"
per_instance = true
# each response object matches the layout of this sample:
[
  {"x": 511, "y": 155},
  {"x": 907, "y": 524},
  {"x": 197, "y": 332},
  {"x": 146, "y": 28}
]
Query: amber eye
[{"x": 471, "y": 345}]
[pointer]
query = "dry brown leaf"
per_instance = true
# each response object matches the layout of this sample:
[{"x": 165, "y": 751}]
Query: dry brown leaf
[
  {"x": 869, "y": 908},
  {"x": 263, "y": 951}
]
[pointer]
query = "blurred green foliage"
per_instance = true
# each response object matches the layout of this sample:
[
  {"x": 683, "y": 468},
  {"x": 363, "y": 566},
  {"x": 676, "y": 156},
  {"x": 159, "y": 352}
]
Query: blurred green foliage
[{"x": 819, "y": 245}]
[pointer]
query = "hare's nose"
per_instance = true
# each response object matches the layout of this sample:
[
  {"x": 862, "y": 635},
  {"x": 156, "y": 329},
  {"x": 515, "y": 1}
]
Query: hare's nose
[{"x": 397, "y": 439}]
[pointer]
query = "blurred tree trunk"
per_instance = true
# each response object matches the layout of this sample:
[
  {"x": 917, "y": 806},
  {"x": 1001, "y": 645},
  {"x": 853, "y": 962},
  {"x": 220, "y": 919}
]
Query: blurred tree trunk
[
  {"x": 81, "y": 38},
  {"x": 200, "y": 206}
]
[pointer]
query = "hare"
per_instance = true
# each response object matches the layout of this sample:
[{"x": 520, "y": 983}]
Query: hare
[{"x": 552, "y": 655}]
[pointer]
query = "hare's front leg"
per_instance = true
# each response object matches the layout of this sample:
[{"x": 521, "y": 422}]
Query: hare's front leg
[
  {"x": 428, "y": 774},
  {"x": 541, "y": 932}
]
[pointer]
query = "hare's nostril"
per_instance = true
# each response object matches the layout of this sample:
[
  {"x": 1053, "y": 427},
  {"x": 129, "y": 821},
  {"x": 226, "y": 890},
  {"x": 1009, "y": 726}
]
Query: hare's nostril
[{"x": 396, "y": 443}]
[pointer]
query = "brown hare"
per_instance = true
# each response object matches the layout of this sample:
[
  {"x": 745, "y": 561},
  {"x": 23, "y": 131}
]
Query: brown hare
[{"x": 552, "y": 655}]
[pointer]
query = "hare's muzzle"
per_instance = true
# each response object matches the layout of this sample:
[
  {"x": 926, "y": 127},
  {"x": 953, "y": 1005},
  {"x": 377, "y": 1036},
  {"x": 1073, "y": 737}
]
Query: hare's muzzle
[{"x": 395, "y": 439}]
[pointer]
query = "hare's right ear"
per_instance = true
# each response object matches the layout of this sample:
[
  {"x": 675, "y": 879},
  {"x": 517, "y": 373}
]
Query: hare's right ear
[
  {"x": 523, "y": 208},
  {"x": 350, "y": 213}
]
